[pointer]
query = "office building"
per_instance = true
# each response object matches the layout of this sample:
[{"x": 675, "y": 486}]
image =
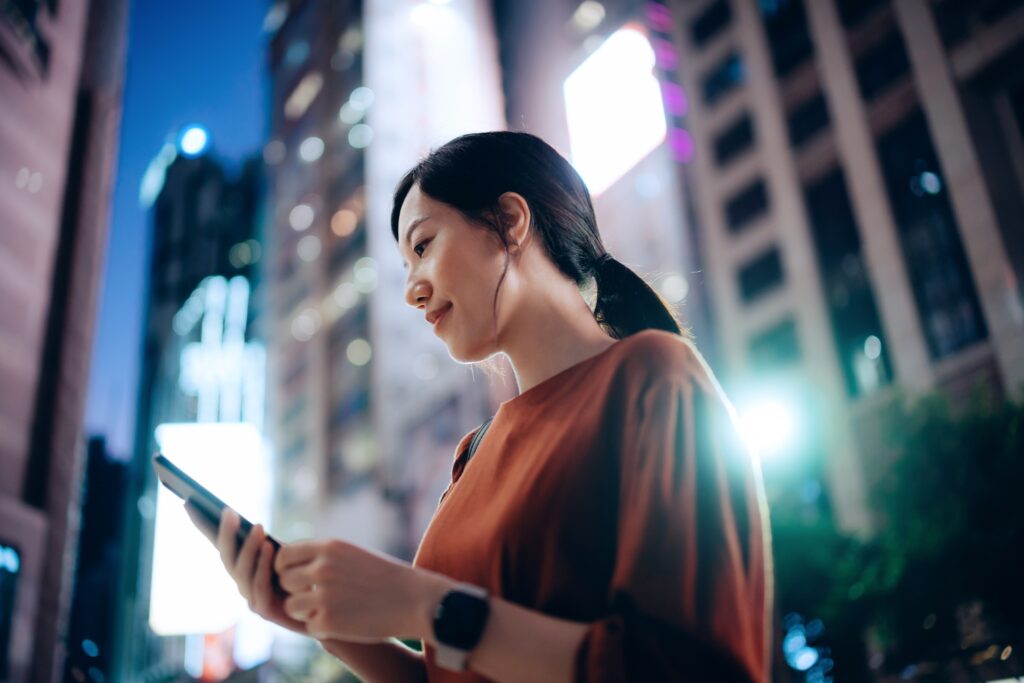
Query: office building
[
  {"x": 60, "y": 83},
  {"x": 858, "y": 167},
  {"x": 200, "y": 401}
]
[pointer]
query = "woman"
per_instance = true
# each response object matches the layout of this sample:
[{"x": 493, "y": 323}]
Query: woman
[{"x": 610, "y": 526}]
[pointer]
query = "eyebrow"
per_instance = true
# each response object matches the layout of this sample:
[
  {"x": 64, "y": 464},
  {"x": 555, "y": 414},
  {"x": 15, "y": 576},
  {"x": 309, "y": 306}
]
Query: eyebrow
[{"x": 408, "y": 234}]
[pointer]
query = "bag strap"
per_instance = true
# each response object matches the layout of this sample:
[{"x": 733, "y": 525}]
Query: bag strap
[{"x": 477, "y": 438}]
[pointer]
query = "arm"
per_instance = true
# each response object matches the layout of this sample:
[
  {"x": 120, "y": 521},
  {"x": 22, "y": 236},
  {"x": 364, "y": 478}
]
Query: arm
[
  {"x": 518, "y": 644},
  {"x": 374, "y": 662}
]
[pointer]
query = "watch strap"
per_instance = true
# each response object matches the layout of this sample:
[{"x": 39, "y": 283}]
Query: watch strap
[{"x": 448, "y": 656}]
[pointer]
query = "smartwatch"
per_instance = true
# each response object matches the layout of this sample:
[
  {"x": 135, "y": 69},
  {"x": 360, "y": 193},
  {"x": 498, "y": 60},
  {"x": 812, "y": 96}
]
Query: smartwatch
[{"x": 459, "y": 624}]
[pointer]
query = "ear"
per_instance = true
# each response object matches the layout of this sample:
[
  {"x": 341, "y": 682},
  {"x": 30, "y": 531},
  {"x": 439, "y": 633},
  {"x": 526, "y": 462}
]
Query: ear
[{"x": 516, "y": 218}]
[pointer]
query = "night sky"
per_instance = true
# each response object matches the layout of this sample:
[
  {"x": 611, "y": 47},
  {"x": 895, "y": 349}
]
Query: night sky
[{"x": 189, "y": 61}]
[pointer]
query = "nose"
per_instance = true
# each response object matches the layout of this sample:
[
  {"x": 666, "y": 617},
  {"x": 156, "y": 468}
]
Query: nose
[{"x": 417, "y": 292}]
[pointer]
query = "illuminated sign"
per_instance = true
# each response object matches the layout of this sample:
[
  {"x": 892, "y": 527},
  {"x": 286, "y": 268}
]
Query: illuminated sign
[
  {"x": 614, "y": 108},
  {"x": 191, "y": 592},
  {"x": 222, "y": 369}
]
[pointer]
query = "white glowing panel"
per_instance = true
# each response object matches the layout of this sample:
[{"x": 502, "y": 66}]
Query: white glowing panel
[
  {"x": 614, "y": 109},
  {"x": 191, "y": 590},
  {"x": 222, "y": 370}
]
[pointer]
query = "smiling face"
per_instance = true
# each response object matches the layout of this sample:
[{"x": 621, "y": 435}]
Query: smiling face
[{"x": 456, "y": 265}]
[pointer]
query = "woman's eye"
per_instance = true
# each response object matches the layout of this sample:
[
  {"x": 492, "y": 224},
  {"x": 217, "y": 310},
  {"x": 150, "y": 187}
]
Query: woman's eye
[{"x": 416, "y": 249}]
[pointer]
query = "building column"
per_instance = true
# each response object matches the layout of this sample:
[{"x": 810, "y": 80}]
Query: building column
[
  {"x": 993, "y": 273},
  {"x": 795, "y": 241},
  {"x": 883, "y": 254}
]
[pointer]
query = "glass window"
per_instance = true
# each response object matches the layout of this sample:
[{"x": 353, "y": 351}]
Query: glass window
[
  {"x": 930, "y": 239},
  {"x": 788, "y": 38},
  {"x": 749, "y": 203},
  {"x": 957, "y": 19},
  {"x": 806, "y": 120},
  {"x": 775, "y": 347},
  {"x": 853, "y": 12},
  {"x": 882, "y": 65},
  {"x": 856, "y": 328},
  {"x": 761, "y": 275},
  {"x": 723, "y": 78},
  {"x": 711, "y": 22},
  {"x": 734, "y": 140}
]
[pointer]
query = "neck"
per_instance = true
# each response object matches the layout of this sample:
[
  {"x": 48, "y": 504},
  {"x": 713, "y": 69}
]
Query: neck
[{"x": 554, "y": 332}]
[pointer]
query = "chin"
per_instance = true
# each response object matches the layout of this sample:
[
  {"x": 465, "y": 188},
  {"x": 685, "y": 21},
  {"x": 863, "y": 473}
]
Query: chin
[{"x": 471, "y": 351}]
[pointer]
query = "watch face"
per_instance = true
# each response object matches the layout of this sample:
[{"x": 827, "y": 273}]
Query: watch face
[{"x": 460, "y": 620}]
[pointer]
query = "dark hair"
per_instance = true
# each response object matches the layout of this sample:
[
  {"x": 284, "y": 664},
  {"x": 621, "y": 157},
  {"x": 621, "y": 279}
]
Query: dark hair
[{"x": 471, "y": 172}]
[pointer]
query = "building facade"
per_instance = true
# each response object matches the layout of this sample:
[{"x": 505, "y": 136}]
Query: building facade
[
  {"x": 365, "y": 407},
  {"x": 860, "y": 183},
  {"x": 202, "y": 316},
  {"x": 60, "y": 82}
]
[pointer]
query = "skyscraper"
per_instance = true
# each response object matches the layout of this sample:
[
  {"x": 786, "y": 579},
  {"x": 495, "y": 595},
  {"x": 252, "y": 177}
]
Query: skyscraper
[
  {"x": 60, "y": 83},
  {"x": 365, "y": 407},
  {"x": 202, "y": 364},
  {"x": 858, "y": 168}
]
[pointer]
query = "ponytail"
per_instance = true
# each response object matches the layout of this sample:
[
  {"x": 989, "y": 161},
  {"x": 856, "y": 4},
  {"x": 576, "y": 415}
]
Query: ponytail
[{"x": 626, "y": 304}]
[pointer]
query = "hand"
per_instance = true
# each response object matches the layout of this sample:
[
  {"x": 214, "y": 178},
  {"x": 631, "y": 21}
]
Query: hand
[
  {"x": 250, "y": 567},
  {"x": 341, "y": 591}
]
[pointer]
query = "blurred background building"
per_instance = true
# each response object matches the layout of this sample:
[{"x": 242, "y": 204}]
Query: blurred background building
[
  {"x": 202, "y": 373},
  {"x": 858, "y": 165},
  {"x": 60, "y": 88}
]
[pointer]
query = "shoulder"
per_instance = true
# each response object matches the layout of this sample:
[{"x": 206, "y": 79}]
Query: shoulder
[
  {"x": 655, "y": 362},
  {"x": 652, "y": 355}
]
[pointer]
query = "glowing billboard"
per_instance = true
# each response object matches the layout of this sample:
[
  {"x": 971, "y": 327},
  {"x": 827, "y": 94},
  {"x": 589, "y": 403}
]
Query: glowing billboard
[{"x": 614, "y": 109}]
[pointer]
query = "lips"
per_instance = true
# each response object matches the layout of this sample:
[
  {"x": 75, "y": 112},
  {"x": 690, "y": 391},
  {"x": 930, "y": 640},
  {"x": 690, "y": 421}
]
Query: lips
[{"x": 435, "y": 317}]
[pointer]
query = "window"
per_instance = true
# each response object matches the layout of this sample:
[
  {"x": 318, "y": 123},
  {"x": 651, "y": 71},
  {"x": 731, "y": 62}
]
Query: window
[
  {"x": 749, "y": 203},
  {"x": 761, "y": 275},
  {"x": 856, "y": 328},
  {"x": 723, "y": 79},
  {"x": 957, "y": 19},
  {"x": 734, "y": 140},
  {"x": 788, "y": 39},
  {"x": 930, "y": 239},
  {"x": 711, "y": 22},
  {"x": 882, "y": 65},
  {"x": 775, "y": 347},
  {"x": 806, "y": 120},
  {"x": 853, "y": 12}
]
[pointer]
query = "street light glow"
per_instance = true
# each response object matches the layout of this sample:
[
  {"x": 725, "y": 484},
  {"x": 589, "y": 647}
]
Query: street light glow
[
  {"x": 193, "y": 141},
  {"x": 770, "y": 426}
]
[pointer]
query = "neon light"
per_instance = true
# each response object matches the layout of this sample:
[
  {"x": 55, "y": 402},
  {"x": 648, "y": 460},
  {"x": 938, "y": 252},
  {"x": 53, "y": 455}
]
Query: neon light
[{"x": 222, "y": 370}]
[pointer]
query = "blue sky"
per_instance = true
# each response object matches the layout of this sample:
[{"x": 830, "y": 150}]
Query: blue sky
[{"x": 189, "y": 61}]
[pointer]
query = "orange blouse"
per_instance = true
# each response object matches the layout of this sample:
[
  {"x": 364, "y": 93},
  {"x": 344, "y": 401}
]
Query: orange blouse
[{"x": 618, "y": 493}]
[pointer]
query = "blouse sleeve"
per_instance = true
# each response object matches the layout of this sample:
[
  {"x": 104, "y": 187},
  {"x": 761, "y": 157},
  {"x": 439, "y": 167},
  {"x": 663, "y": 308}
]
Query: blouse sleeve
[{"x": 690, "y": 596}]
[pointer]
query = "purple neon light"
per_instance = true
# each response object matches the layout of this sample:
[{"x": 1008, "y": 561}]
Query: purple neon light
[
  {"x": 681, "y": 143},
  {"x": 659, "y": 17},
  {"x": 674, "y": 97},
  {"x": 665, "y": 55}
]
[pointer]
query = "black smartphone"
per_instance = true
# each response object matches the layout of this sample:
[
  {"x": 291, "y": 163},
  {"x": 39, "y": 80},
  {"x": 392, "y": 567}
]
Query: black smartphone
[{"x": 205, "y": 503}]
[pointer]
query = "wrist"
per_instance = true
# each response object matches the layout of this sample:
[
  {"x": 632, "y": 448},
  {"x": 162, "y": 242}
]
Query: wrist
[{"x": 431, "y": 589}]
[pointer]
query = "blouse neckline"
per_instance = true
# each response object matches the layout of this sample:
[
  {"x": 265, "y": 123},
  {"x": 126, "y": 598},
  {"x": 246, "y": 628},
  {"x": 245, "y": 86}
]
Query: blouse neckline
[{"x": 542, "y": 390}]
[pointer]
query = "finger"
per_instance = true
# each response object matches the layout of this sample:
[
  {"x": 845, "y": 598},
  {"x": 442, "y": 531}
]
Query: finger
[
  {"x": 261, "y": 589},
  {"x": 226, "y": 543},
  {"x": 296, "y": 579},
  {"x": 245, "y": 566},
  {"x": 301, "y": 606},
  {"x": 295, "y": 554}
]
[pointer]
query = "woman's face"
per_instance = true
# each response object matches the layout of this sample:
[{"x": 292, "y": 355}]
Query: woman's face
[{"x": 453, "y": 267}]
